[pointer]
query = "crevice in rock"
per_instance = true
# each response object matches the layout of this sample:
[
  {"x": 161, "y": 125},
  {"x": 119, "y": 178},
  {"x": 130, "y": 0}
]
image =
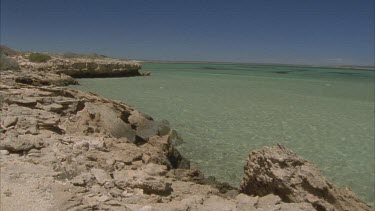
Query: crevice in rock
[
  {"x": 139, "y": 141},
  {"x": 133, "y": 126},
  {"x": 177, "y": 161},
  {"x": 80, "y": 106},
  {"x": 20, "y": 150},
  {"x": 58, "y": 92},
  {"x": 53, "y": 128},
  {"x": 125, "y": 116}
]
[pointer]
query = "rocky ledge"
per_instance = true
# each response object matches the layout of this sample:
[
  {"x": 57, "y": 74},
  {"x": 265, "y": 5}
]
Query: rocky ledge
[
  {"x": 74, "y": 65},
  {"x": 63, "y": 149},
  {"x": 279, "y": 171}
]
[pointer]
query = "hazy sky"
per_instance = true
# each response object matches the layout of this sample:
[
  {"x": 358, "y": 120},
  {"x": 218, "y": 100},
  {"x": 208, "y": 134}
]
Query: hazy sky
[{"x": 279, "y": 31}]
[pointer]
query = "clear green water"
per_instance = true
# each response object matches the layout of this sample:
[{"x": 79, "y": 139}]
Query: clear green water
[{"x": 223, "y": 111}]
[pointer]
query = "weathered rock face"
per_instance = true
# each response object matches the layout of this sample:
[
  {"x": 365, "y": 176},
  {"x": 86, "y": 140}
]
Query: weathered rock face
[
  {"x": 78, "y": 66},
  {"x": 36, "y": 78},
  {"x": 102, "y": 68},
  {"x": 279, "y": 171},
  {"x": 82, "y": 67}
]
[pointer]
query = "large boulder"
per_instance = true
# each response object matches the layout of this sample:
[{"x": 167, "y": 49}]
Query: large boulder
[{"x": 277, "y": 170}]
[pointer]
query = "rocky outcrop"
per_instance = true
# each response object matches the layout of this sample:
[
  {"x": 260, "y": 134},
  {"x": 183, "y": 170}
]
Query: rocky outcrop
[
  {"x": 74, "y": 65},
  {"x": 82, "y": 67},
  {"x": 98, "y": 68},
  {"x": 279, "y": 171},
  {"x": 27, "y": 77}
]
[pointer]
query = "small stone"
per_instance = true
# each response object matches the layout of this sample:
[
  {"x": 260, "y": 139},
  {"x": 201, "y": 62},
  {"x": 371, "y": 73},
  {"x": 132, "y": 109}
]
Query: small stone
[
  {"x": 155, "y": 169},
  {"x": 33, "y": 153},
  {"x": 231, "y": 194},
  {"x": 245, "y": 202},
  {"x": 102, "y": 198},
  {"x": 10, "y": 121},
  {"x": 217, "y": 203},
  {"x": 113, "y": 202},
  {"x": 82, "y": 179},
  {"x": 268, "y": 200},
  {"x": 4, "y": 152},
  {"x": 33, "y": 129},
  {"x": 101, "y": 176},
  {"x": 82, "y": 145},
  {"x": 97, "y": 144},
  {"x": 126, "y": 194},
  {"x": 24, "y": 101},
  {"x": 54, "y": 107}
]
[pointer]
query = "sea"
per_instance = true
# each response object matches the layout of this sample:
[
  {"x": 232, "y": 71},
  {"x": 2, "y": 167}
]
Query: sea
[{"x": 225, "y": 110}]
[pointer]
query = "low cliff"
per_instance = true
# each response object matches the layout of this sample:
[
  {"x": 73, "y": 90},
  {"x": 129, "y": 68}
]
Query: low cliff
[
  {"x": 84, "y": 68},
  {"x": 77, "y": 66},
  {"x": 99, "y": 68}
]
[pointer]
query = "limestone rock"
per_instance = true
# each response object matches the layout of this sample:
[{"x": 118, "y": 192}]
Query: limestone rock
[
  {"x": 135, "y": 179},
  {"x": 10, "y": 121},
  {"x": 217, "y": 203},
  {"x": 82, "y": 179},
  {"x": 279, "y": 171},
  {"x": 268, "y": 200},
  {"x": 245, "y": 202},
  {"x": 101, "y": 176},
  {"x": 148, "y": 73},
  {"x": 80, "y": 67},
  {"x": 4, "y": 152}
]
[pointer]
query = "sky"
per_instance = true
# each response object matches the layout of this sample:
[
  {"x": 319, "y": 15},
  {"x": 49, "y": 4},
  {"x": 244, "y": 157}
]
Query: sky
[{"x": 320, "y": 32}]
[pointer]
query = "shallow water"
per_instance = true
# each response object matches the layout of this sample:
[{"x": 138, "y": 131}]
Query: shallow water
[{"x": 223, "y": 111}]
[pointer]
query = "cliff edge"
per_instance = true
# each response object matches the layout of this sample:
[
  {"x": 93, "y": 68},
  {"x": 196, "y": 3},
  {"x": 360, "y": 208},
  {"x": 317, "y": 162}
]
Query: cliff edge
[{"x": 74, "y": 65}]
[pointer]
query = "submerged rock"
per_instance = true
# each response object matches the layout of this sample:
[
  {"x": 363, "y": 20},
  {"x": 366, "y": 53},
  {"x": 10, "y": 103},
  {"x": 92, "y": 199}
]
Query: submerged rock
[
  {"x": 148, "y": 73},
  {"x": 279, "y": 171}
]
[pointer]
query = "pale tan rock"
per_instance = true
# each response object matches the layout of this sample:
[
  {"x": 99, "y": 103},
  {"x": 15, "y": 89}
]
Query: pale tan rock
[
  {"x": 277, "y": 170},
  {"x": 245, "y": 202},
  {"x": 10, "y": 121},
  {"x": 4, "y": 152},
  {"x": 217, "y": 203},
  {"x": 82, "y": 179},
  {"x": 268, "y": 200},
  {"x": 137, "y": 179},
  {"x": 154, "y": 169},
  {"x": 101, "y": 176}
]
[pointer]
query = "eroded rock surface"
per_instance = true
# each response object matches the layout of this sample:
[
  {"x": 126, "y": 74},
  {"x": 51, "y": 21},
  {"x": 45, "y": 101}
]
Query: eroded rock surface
[
  {"x": 277, "y": 170},
  {"x": 82, "y": 67},
  {"x": 58, "y": 69}
]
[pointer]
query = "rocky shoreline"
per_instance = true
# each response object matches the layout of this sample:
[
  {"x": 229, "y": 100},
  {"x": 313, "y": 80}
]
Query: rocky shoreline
[
  {"x": 63, "y": 149},
  {"x": 74, "y": 65}
]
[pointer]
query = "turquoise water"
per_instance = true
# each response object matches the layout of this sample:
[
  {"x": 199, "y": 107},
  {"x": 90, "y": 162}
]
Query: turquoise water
[{"x": 223, "y": 111}]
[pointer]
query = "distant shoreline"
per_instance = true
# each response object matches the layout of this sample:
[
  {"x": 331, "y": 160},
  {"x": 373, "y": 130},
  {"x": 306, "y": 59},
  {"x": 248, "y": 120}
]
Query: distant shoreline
[{"x": 352, "y": 67}]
